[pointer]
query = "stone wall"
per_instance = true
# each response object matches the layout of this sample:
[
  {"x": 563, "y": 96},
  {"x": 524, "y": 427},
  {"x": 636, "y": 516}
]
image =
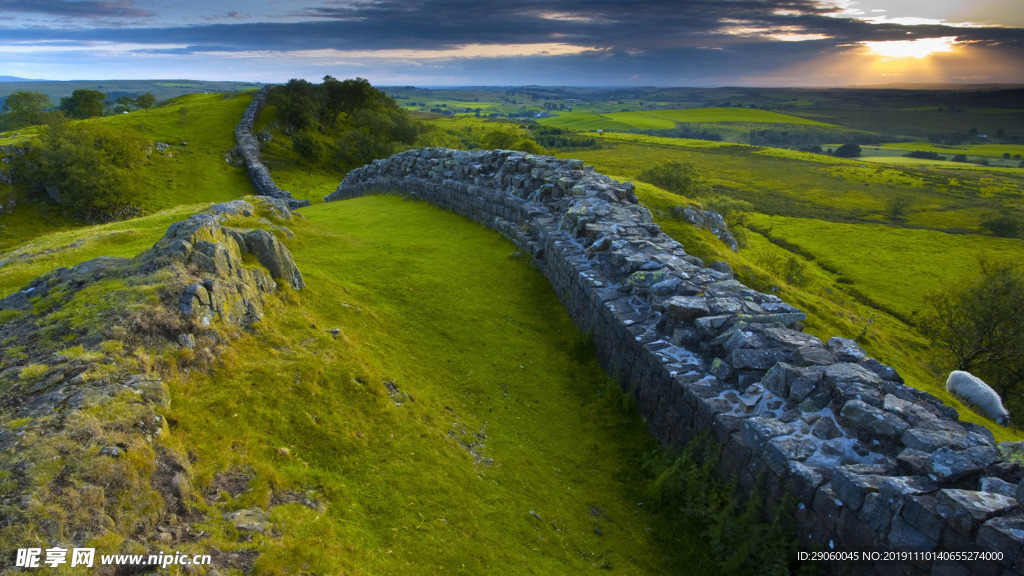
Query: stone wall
[
  {"x": 249, "y": 148},
  {"x": 873, "y": 462}
]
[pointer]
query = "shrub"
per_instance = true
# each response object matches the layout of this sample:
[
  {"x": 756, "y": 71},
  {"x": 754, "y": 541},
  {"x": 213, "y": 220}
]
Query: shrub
[
  {"x": 897, "y": 208},
  {"x": 1004, "y": 226},
  {"x": 676, "y": 177},
  {"x": 848, "y": 151},
  {"x": 86, "y": 168},
  {"x": 309, "y": 148}
]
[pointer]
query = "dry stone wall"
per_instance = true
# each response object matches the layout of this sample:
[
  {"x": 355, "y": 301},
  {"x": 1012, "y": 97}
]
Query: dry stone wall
[
  {"x": 249, "y": 148},
  {"x": 872, "y": 461}
]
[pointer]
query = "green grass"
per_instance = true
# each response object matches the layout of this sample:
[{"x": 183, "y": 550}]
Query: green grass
[
  {"x": 199, "y": 132},
  {"x": 990, "y": 150},
  {"x": 475, "y": 337},
  {"x": 77, "y": 244},
  {"x": 667, "y": 119}
]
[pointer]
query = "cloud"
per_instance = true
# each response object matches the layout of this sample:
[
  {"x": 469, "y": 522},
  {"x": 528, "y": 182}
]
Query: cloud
[
  {"x": 562, "y": 41},
  {"x": 94, "y": 9}
]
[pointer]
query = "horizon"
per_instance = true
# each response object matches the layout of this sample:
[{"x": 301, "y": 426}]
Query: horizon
[
  {"x": 887, "y": 86},
  {"x": 451, "y": 43}
]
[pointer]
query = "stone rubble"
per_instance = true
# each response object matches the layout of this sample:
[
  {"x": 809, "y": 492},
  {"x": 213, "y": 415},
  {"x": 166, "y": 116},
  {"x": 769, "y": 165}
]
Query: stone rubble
[{"x": 871, "y": 461}]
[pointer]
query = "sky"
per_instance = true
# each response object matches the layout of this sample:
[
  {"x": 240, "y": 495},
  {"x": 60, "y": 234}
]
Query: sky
[{"x": 499, "y": 42}]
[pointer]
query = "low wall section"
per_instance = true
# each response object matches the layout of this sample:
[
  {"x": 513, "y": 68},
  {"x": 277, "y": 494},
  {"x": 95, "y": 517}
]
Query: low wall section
[
  {"x": 249, "y": 148},
  {"x": 872, "y": 461}
]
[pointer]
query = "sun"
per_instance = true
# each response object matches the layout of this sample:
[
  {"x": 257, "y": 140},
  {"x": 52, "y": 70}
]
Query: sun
[{"x": 919, "y": 48}]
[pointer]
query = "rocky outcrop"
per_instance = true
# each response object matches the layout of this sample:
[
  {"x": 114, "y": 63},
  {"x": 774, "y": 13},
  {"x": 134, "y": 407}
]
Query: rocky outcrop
[
  {"x": 707, "y": 220},
  {"x": 872, "y": 462},
  {"x": 79, "y": 395},
  {"x": 249, "y": 148}
]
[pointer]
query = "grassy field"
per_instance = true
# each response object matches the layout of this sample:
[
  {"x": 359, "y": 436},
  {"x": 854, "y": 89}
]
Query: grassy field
[
  {"x": 503, "y": 456},
  {"x": 198, "y": 130},
  {"x": 667, "y": 119},
  {"x": 500, "y": 446}
]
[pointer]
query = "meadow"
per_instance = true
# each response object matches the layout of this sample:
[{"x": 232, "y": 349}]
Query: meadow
[{"x": 426, "y": 392}]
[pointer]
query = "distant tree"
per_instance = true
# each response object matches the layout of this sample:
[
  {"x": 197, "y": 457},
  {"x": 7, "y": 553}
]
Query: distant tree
[
  {"x": 897, "y": 208},
  {"x": 145, "y": 100},
  {"x": 979, "y": 322},
  {"x": 124, "y": 104},
  {"x": 499, "y": 139},
  {"x": 347, "y": 96},
  {"x": 1006, "y": 155},
  {"x": 960, "y": 158},
  {"x": 298, "y": 103},
  {"x": 86, "y": 168},
  {"x": 83, "y": 103},
  {"x": 848, "y": 151},
  {"x": 676, "y": 177},
  {"x": 25, "y": 108}
]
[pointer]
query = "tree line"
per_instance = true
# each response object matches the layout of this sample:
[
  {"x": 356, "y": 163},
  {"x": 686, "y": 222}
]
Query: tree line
[{"x": 26, "y": 108}]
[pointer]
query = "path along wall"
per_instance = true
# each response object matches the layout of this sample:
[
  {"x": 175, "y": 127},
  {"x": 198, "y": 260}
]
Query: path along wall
[
  {"x": 249, "y": 148},
  {"x": 872, "y": 461}
]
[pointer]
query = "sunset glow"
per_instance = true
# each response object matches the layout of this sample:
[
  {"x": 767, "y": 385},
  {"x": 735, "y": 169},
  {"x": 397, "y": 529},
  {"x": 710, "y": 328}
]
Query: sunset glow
[{"x": 919, "y": 48}]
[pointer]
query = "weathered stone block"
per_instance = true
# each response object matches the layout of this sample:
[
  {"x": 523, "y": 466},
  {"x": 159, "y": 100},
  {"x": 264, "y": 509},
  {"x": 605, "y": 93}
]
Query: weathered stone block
[
  {"x": 872, "y": 420},
  {"x": 966, "y": 510},
  {"x": 949, "y": 465}
]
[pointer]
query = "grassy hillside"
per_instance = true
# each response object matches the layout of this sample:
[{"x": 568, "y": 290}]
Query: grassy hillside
[
  {"x": 424, "y": 406},
  {"x": 195, "y": 132},
  {"x": 667, "y": 119},
  {"x": 814, "y": 231},
  {"x": 455, "y": 424}
]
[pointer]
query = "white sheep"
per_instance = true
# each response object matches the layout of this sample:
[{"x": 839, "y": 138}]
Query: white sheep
[{"x": 977, "y": 394}]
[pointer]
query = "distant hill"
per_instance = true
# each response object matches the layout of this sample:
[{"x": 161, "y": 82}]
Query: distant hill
[{"x": 162, "y": 89}]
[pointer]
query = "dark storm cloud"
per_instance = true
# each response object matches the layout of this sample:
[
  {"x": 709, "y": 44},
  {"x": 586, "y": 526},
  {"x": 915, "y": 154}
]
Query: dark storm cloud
[
  {"x": 76, "y": 9},
  {"x": 653, "y": 25},
  {"x": 656, "y": 40}
]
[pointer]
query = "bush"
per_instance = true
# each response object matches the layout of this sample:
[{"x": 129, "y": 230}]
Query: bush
[
  {"x": 309, "y": 148},
  {"x": 676, "y": 177},
  {"x": 1004, "y": 226},
  {"x": 848, "y": 151},
  {"x": 979, "y": 322},
  {"x": 897, "y": 208},
  {"x": 86, "y": 168}
]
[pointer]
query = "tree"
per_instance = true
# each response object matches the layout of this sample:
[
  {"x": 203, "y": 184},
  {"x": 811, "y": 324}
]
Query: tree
[
  {"x": 124, "y": 104},
  {"x": 298, "y": 102},
  {"x": 676, "y": 177},
  {"x": 145, "y": 100},
  {"x": 979, "y": 322},
  {"x": 25, "y": 108},
  {"x": 83, "y": 103},
  {"x": 86, "y": 168},
  {"x": 849, "y": 150},
  {"x": 897, "y": 207}
]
